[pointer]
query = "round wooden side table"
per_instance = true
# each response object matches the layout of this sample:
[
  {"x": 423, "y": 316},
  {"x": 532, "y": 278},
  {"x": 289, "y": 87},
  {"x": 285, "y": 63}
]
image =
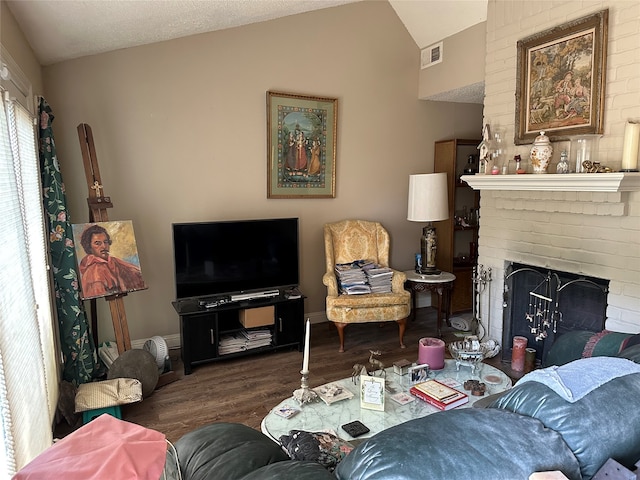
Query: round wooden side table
[{"x": 441, "y": 284}]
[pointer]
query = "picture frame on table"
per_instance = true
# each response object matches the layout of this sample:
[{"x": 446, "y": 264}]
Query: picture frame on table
[
  {"x": 560, "y": 80},
  {"x": 301, "y": 145},
  {"x": 419, "y": 373},
  {"x": 372, "y": 392}
]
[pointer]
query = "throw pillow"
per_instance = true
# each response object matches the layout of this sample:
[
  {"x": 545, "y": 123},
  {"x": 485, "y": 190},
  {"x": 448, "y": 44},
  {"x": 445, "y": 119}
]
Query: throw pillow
[{"x": 321, "y": 447}]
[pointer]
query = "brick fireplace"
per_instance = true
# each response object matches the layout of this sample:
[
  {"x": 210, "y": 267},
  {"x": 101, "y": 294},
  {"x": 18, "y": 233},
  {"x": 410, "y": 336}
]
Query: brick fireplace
[
  {"x": 593, "y": 234},
  {"x": 586, "y": 227}
]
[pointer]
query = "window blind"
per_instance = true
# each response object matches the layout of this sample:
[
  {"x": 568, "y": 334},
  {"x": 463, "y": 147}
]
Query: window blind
[{"x": 28, "y": 372}]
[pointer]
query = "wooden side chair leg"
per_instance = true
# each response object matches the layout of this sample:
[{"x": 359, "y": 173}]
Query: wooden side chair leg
[
  {"x": 340, "y": 327},
  {"x": 402, "y": 326}
]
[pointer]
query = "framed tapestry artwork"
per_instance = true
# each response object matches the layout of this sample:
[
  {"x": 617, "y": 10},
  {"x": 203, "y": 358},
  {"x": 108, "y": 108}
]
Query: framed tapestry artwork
[
  {"x": 561, "y": 80},
  {"x": 301, "y": 146}
]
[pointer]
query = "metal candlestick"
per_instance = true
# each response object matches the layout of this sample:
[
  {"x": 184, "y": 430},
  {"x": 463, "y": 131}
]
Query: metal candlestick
[{"x": 304, "y": 394}]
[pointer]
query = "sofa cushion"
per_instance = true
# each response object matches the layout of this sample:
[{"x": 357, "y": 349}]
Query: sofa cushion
[
  {"x": 599, "y": 425},
  {"x": 457, "y": 444},
  {"x": 631, "y": 353},
  {"x": 225, "y": 451},
  {"x": 578, "y": 344}
]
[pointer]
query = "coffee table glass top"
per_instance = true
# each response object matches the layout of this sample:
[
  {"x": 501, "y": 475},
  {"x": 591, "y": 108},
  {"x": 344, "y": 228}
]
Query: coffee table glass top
[{"x": 318, "y": 416}]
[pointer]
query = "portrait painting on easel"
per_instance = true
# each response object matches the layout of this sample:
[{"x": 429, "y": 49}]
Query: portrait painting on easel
[{"x": 108, "y": 261}]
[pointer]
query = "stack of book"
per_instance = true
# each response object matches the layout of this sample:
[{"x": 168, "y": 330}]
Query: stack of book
[
  {"x": 363, "y": 276},
  {"x": 379, "y": 278},
  {"x": 351, "y": 278},
  {"x": 244, "y": 340},
  {"x": 439, "y": 395}
]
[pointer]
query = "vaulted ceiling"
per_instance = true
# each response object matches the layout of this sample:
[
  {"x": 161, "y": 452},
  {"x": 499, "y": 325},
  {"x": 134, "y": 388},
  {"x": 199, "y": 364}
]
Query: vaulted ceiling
[{"x": 59, "y": 30}]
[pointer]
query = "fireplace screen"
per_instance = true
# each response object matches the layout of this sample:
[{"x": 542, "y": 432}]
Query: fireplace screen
[{"x": 542, "y": 304}]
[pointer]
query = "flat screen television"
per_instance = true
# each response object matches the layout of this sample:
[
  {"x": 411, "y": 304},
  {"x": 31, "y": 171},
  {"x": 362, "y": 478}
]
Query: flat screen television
[{"x": 227, "y": 257}]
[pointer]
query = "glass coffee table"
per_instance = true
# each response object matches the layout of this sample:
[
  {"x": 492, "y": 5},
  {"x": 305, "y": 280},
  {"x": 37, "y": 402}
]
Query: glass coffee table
[{"x": 318, "y": 416}]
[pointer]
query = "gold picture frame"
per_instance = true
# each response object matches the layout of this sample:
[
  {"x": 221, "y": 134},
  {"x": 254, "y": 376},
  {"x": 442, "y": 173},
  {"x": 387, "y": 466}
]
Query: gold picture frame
[
  {"x": 561, "y": 80},
  {"x": 301, "y": 146}
]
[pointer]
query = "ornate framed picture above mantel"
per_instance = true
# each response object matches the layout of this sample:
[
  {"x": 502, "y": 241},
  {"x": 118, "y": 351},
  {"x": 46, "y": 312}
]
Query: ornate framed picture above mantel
[
  {"x": 301, "y": 146},
  {"x": 561, "y": 80}
]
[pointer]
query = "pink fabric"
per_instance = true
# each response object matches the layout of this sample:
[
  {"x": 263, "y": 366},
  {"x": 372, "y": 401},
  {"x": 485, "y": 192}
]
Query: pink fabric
[{"x": 102, "y": 449}]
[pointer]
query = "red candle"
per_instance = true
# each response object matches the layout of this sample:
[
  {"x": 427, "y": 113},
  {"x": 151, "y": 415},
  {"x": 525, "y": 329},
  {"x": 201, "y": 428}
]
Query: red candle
[
  {"x": 431, "y": 352},
  {"x": 518, "y": 353}
]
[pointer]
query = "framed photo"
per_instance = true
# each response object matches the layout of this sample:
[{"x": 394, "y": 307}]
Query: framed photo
[
  {"x": 419, "y": 373},
  {"x": 301, "y": 146},
  {"x": 372, "y": 392},
  {"x": 561, "y": 80}
]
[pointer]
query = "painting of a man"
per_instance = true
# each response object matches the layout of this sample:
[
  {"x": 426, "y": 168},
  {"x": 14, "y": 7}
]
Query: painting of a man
[{"x": 101, "y": 273}]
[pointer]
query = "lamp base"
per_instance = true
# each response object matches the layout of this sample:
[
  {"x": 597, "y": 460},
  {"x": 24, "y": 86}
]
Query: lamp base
[
  {"x": 428, "y": 247},
  {"x": 429, "y": 271}
]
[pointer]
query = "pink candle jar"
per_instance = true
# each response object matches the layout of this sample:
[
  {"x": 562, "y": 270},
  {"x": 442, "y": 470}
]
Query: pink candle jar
[{"x": 431, "y": 352}]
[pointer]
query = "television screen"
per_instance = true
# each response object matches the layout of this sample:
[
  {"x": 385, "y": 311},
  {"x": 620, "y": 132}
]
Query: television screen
[{"x": 219, "y": 258}]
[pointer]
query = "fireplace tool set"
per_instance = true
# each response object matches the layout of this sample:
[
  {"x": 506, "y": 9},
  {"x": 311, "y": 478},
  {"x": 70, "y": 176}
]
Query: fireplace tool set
[{"x": 481, "y": 277}]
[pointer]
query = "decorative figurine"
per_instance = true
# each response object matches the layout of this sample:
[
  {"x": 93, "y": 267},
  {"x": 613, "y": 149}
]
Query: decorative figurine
[
  {"x": 375, "y": 363},
  {"x": 485, "y": 149},
  {"x": 358, "y": 369},
  {"x": 563, "y": 164}
]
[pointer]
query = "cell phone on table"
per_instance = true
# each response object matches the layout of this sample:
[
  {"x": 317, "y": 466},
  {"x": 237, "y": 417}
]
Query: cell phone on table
[{"x": 355, "y": 428}]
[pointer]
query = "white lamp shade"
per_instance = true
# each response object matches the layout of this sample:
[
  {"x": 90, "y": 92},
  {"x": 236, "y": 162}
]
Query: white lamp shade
[{"x": 428, "y": 198}]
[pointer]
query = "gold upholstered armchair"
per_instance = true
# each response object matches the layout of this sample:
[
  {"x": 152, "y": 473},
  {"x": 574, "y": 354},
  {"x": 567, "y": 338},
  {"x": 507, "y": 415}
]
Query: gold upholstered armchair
[{"x": 345, "y": 242}]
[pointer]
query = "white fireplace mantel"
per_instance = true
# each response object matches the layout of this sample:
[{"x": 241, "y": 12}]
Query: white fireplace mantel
[{"x": 570, "y": 182}]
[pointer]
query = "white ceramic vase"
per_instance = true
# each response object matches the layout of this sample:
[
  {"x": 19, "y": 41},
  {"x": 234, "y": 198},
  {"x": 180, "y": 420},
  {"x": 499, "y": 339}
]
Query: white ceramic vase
[{"x": 541, "y": 152}]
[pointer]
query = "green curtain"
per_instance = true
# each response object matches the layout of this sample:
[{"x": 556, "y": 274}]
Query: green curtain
[{"x": 80, "y": 359}]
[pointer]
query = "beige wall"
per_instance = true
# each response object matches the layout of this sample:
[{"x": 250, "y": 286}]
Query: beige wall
[
  {"x": 13, "y": 40},
  {"x": 180, "y": 134},
  {"x": 463, "y": 57},
  {"x": 590, "y": 233}
]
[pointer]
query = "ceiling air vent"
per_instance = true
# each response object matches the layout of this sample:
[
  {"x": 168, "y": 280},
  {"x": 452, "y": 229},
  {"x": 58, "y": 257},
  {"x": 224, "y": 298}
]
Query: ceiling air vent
[{"x": 431, "y": 55}]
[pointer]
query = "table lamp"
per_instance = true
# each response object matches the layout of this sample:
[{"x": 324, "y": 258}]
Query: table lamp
[{"x": 428, "y": 202}]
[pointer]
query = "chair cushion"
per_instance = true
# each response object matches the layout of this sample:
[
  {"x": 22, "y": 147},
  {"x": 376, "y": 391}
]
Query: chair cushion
[{"x": 345, "y": 309}]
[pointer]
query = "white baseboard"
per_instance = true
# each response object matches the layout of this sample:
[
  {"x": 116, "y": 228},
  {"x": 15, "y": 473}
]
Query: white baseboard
[{"x": 173, "y": 341}]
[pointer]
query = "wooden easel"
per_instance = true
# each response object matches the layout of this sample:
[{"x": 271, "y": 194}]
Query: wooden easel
[{"x": 98, "y": 205}]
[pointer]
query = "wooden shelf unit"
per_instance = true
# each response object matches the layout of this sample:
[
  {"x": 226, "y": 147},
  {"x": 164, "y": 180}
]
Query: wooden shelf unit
[{"x": 455, "y": 251}]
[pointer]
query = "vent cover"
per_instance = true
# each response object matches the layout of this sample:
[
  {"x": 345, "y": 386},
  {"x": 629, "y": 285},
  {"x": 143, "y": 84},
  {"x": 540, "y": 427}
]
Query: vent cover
[{"x": 431, "y": 55}]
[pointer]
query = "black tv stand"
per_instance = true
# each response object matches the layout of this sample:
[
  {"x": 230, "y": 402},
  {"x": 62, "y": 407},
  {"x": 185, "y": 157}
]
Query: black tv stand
[{"x": 203, "y": 321}]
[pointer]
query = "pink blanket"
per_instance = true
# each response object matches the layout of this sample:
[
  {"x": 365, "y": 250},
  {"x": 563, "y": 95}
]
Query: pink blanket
[{"x": 104, "y": 448}]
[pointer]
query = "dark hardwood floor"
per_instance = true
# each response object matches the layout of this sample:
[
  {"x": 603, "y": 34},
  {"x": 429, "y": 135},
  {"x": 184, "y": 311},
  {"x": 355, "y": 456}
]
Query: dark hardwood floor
[{"x": 244, "y": 389}]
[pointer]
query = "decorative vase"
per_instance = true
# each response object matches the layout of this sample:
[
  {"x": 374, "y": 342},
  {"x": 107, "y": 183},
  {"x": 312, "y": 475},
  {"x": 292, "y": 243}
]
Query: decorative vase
[{"x": 541, "y": 152}]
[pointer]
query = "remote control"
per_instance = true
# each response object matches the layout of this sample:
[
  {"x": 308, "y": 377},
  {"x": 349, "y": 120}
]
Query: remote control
[{"x": 355, "y": 428}]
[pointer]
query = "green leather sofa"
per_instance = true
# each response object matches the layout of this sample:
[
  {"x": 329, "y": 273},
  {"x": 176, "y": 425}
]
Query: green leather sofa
[{"x": 529, "y": 429}]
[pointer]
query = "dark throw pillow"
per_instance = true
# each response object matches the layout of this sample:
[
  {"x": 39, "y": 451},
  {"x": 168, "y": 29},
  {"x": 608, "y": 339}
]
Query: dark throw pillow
[{"x": 323, "y": 448}]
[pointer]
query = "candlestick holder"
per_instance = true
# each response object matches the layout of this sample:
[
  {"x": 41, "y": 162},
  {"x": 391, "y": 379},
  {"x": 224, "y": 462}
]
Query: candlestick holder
[{"x": 304, "y": 394}]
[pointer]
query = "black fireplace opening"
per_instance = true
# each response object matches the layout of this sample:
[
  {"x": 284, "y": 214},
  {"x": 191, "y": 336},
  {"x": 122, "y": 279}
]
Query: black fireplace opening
[{"x": 542, "y": 304}]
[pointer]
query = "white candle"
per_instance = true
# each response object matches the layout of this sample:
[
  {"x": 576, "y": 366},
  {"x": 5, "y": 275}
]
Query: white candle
[
  {"x": 305, "y": 361},
  {"x": 630, "y": 147}
]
